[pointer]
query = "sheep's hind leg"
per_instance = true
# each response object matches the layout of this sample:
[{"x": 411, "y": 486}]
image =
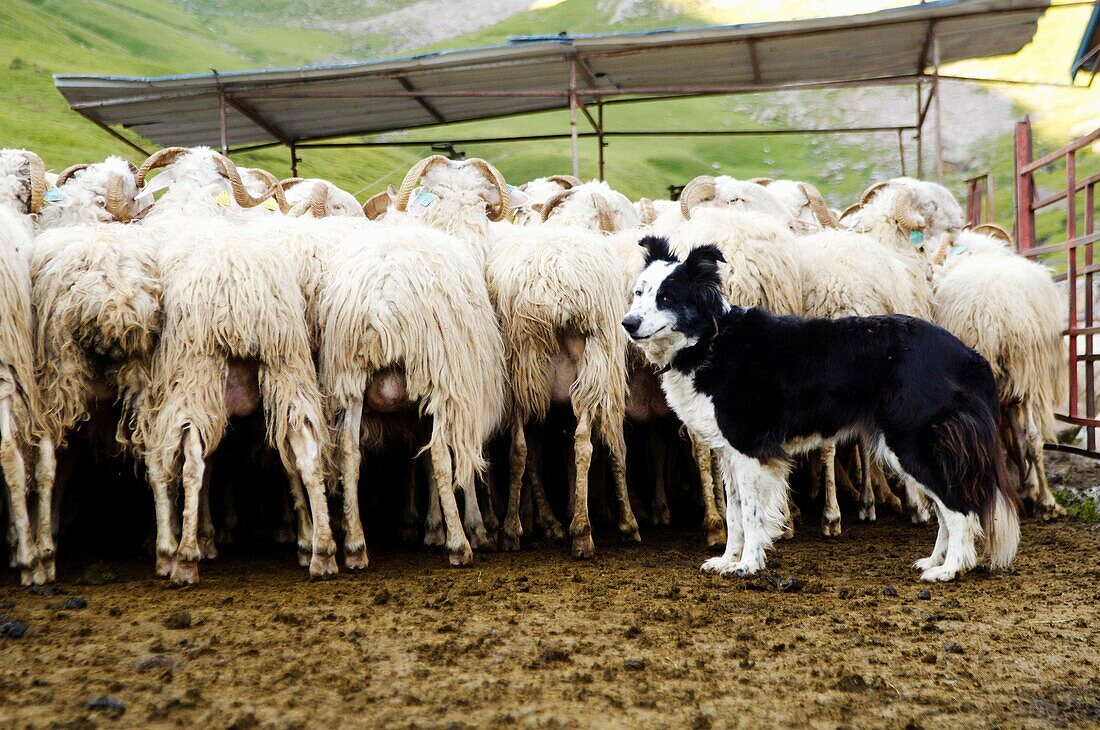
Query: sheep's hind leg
[
  {"x": 186, "y": 569},
  {"x": 544, "y": 516},
  {"x": 658, "y": 513},
  {"x": 867, "y": 489},
  {"x": 513, "y": 527},
  {"x": 15, "y": 473},
  {"x": 713, "y": 523},
  {"x": 580, "y": 528},
  {"x": 304, "y": 537},
  {"x": 434, "y": 535},
  {"x": 410, "y": 516},
  {"x": 472, "y": 520},
  {"x": 883, "y": 493},
  {"x": 628, "y": 523},
  {"x": 304, "y": 445},
  {"x": 45, "y": 476},
  {"x": 207, "y": 546},
  {"x": 1045, "y": 504},
  {"x": 351, "y": 454},
  {"x": 457, "y": 545},
  {"x": 830, "y": 515}
]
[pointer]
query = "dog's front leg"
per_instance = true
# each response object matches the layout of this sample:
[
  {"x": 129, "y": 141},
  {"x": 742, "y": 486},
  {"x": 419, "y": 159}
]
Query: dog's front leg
[
  {"x": 763, "y": 492},
  {"x": 726, "y": 563}
]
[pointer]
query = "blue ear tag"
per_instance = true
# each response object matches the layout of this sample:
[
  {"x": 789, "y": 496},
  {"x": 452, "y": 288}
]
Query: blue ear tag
[
  {"x": 916, "y": 237},
  {"x": 53, "y": 195},
  {"x": 425, "y": 199},
  {"x": 510, "y": 188},
  {"x": 956, "y": 250}
]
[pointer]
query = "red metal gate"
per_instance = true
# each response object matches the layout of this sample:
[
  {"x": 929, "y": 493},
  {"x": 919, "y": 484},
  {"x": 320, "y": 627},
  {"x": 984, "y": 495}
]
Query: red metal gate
[{"x": 1082, "y": 332}]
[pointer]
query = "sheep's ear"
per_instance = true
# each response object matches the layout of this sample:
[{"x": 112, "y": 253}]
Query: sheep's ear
[
  {"x": 656, "y": 249},
  {"x": 702, "y": 263}
]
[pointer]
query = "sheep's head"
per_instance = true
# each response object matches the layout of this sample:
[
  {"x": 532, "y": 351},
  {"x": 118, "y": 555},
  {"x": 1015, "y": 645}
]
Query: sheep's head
[
  {"x": 539, "y": 192},
  {"x": 802, "y": 200},
  {"x": 105, "y": 192},
  {"x": 202, "y": 167},
  {"x": 22, "y": 180},
  {"x": 472, "y": 182},
  {"x": 319, "y": 199},
  {"x": 738, "y": 195},
  {"x": 592, "y": 205},
  {"x": 913, "y": 205}
]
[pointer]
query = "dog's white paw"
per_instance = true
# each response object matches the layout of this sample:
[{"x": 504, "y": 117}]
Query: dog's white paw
[
  {"x": 720, "y": 564},
  {"x": 746, "y": 568},
  {"x": 938, "y": 574},
  {"x": 932, "y": 561}
]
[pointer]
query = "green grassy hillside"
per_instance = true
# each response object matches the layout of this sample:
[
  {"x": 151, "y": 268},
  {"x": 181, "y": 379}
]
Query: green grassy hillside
[{"x": 152, "y": 37}]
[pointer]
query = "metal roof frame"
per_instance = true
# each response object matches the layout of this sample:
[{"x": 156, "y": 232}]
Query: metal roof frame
[{"x": 247, "y": 110}]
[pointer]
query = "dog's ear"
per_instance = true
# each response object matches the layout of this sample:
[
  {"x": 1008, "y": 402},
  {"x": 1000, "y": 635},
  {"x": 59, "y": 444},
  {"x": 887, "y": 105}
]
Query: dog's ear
[
  {"x": 702, "y": 262},
  {"x": 656, "y": 249}
]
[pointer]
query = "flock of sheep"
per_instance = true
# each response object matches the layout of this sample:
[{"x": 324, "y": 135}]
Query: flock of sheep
[{"x": 444, "y": 314}]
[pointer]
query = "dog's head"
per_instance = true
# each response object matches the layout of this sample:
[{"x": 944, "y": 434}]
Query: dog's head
[{"x": 676, "y": 303}]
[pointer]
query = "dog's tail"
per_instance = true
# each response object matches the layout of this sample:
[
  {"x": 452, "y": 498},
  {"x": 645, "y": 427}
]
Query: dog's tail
[{"x": 971, "y": 461}]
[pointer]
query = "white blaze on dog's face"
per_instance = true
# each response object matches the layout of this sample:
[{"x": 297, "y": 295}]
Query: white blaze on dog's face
[{"x": 675, "y": 303}]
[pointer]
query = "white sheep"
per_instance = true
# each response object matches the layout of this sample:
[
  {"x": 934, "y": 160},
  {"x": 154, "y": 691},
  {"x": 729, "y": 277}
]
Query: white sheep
[
  {"x": 233, "y": 314},
  {"x": 96, "y": 290},
  {"x": 537, "y": 193},
  {"x": 556, "y": 291},
  {"x": 22, "y": 190},
  {"x": 1008, "y": 309}
]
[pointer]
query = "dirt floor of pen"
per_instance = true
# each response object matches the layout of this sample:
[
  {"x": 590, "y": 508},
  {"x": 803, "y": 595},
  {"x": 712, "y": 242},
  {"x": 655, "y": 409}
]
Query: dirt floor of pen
[{"x": 636, "y": 636}]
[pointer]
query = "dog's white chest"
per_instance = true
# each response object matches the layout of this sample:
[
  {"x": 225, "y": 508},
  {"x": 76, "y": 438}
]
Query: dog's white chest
[{"x": 695, "y": 409}]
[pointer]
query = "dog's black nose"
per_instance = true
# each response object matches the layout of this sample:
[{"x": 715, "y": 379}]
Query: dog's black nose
[{"x": 631, "y": 323}]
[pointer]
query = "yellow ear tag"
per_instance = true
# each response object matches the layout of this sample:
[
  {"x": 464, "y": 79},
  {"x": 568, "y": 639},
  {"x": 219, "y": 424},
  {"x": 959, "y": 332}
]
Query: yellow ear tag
[
  {"x": 270, "y": 204},
  {"x": 223, "y": 199},
  {"x": 308, "y": 214}
]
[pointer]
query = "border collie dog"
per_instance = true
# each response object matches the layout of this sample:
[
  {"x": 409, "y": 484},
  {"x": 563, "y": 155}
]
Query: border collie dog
[{"x": 759, "y": 388}]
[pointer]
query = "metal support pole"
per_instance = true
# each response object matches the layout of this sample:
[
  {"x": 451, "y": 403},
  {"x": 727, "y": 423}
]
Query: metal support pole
[
  {"x": 573, "y": 117},
  {"x": 293, "y": 161},
  {"x": 599, "y": 138},
  {"x": 901, "y": 153},
  {"x": 920, "y": 142},
  {"x": 221, "y": 124},
  {"x": 939, "y": 105}
]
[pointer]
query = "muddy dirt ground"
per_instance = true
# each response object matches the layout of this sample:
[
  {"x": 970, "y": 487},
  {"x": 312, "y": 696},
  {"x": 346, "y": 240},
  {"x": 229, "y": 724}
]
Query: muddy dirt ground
[{"x": 635, "y": 637}]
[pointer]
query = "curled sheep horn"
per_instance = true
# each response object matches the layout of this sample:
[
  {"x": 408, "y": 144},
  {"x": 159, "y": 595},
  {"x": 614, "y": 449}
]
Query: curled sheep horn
[
  {"x": 413, "y": 177},
  {"x": 940, "y": 254},
  {"x": 871, "y": 192},
  {"x": 994, "y": 230},
  {"x": 377, "y": 205},
  {"x": 554, "y": 202},
  {"x": 821, "y": 211},
  {"x": 118, "y": 203},
  {"x": 603, "y": 213},
  {"x": 497, "y": 180},
  {"x": 160, "y": 158},
  {"x": 274, "y": 186},
  {"x": 699, "y": 190},
  {"x": 67, "y": 173},
  {"x": 318, "y": 200},
  {"x": 762, "y": 181},
  {"x": 38, "y": 180},
  {"x": 243, "y": 198},
  {"x": 850, "y": 209},
  {"x": 903, "y": 211},
  {"x": 647, "y": 210},
  {"x": 566, "y": 181}
]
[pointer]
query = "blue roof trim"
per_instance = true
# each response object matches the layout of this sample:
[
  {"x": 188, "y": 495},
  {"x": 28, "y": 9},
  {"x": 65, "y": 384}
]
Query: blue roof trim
[{"x": 1091, "y": 36}]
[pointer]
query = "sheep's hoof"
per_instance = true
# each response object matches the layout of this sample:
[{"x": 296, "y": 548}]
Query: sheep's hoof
[
  {"x": 629, "y": 531},
  {"x": 867, "y": 513},
  {"x": 284, "y": 535},
  {"x": 464, "y": 555},
  {"x": 830, "y": 527},
  {"x": 434, "y": 536},
  {"x": 165, "y": 565},
  {"x": 509, "y": 541},
  {"x": 185, "y": 572},
  {"x": 305, "y": 554},
  {"x": 208, "y": 549},
  {"x": 32, "y": 576},
  {"x": 583, "y": 547},
  {"x": 322, "y": 566},
  {"x": 479, "y": 539},
  {"x": 552, "y": 530},
  {"x": 223, "y": 536},
  {"x": 788, "y": 532},
  {"x": 49, "y": 568},
  {"x": 409, "y": 533},
  {"x": 356, "y": 559},
  {"x": 660, "y": 515},
  {"x": 491, "y": 541},
  {"x": 1050, "y": 511},
  {"x": 920, "y": 519},
  {"x": 716, "y": 535}
]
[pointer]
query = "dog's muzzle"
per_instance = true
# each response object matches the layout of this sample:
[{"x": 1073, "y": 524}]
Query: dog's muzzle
[{"x": 631, "y": 323}]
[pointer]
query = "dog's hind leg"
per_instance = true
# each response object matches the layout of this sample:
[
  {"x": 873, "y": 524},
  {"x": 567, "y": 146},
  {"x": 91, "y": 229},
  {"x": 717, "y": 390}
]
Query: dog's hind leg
[
  {"x": 961, "y": 553},
  {"x": 830, "y": 515},
  {"x": 735, "y": 539}
]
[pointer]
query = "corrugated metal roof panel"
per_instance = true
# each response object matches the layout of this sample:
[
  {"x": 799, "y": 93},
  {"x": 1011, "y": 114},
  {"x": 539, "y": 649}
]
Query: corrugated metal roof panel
[{"x": 322, "y": 102}]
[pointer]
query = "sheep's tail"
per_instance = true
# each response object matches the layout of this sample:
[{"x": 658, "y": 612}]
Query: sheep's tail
[{"x": 969, "y": 456}]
